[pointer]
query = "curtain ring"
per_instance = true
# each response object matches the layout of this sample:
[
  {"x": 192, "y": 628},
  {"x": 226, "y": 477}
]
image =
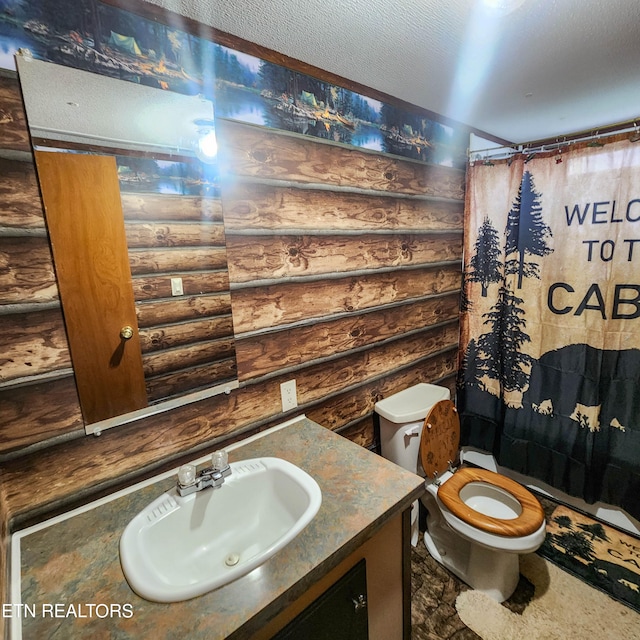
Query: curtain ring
[{"x": 596, "y": 142}]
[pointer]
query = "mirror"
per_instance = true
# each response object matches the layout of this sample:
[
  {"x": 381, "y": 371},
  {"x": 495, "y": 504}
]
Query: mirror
[{"x": 100, "y": 140}]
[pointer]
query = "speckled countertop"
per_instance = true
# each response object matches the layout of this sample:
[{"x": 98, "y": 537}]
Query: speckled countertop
[{"x": 70, "y": 565}]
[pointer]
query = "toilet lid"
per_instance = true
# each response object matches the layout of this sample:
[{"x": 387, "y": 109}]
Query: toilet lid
[
  {"x": 529, "y": 520},
  {"x": 440, "y": 439}
]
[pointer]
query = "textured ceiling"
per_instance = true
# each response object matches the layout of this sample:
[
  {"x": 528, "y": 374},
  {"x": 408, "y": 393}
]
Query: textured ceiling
[{"x": 548, "y": 68}]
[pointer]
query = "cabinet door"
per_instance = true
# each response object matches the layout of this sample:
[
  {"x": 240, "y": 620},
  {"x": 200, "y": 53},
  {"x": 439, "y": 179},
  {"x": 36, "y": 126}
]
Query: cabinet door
[{"x": 340, "y": 613}]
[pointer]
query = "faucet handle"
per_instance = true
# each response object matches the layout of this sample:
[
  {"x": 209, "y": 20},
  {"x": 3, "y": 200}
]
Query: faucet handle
[
  {"x": 187, "y": 475},
  {"x": 219, "y": 460}
]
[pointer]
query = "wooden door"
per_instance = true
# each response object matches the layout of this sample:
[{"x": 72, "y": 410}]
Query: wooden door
[{"x": 82, "y": 204}]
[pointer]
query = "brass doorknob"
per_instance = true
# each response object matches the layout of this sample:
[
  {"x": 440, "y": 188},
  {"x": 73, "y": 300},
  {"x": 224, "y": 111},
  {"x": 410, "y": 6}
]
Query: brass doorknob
[{"x": 126, "y": 333}]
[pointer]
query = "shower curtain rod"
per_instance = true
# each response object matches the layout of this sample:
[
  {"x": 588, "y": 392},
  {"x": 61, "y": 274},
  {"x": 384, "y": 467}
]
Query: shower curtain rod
[{"x": 549, "y": 144}]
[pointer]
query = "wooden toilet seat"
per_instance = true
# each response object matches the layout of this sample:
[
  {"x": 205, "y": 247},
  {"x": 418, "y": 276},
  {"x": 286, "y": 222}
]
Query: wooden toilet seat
[
  {"x": 439, "y": 448},
  {"x": 528, "y": 522}
]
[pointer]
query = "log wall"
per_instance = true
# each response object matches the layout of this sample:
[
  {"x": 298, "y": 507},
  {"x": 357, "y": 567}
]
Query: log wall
[
  {"x": 38, "y": 397},
  {"x": 344, "y": 272},
  {"x": 187, "y": 340},
  {"x": 344, "y": 269}
]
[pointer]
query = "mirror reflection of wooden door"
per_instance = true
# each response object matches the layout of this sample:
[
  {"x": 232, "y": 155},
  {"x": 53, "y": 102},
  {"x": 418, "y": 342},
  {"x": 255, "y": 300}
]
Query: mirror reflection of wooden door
[{"x": 81, "y": 196}]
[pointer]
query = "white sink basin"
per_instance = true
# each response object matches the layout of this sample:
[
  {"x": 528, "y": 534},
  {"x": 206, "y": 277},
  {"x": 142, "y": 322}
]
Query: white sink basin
[{"x": 177, "y": 547}]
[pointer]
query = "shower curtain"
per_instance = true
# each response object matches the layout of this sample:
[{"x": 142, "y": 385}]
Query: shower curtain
[{"x": 549, "y": 377}]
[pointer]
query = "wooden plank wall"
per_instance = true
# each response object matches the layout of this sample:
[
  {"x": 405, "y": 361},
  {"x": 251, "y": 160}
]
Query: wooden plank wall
[
  {"x": 38, "y": 397},
  {"x": 187, "y": 341},
  {"x": 344, "y": 269}
]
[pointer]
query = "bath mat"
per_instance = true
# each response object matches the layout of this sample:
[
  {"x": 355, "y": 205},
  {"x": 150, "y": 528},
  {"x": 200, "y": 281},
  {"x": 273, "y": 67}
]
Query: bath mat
[
  {"x": 602, "y": 556},
  {"x": 562, "y": 608}
]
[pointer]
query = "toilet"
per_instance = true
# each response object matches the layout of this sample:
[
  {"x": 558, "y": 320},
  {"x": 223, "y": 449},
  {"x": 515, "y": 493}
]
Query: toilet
[{"x": 478, "y": 521}]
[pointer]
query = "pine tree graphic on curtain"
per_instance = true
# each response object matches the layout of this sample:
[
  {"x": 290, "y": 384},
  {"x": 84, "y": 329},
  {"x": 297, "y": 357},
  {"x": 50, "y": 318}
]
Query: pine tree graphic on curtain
[
  {"x": 526, "y": 233},
  {"x": 485, "y": 265},
  {"x": 503, "y": 360},
  {"x": 497, "y": 353}
]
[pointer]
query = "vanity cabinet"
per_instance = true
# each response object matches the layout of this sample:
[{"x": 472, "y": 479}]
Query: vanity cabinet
[
  {"x": 357, "y": 545},
  {"x": 387, "y": 589},
  {"x": 340, "y": 613}
]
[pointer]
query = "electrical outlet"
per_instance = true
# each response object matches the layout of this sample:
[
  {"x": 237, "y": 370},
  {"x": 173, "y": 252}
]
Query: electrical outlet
[
  {"x": 288, "y": 395},
  {"x": 176, "y": 287}
]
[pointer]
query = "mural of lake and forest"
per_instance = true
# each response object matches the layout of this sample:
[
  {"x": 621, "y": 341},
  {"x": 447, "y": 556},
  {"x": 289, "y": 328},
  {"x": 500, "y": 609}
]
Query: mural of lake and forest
[
  {"x": 168, "y": 176},
  {"x": 101, "y": 38}
]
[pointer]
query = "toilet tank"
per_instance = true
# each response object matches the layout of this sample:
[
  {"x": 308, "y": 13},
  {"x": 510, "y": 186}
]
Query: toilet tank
[{"x": 401, "y": 417}]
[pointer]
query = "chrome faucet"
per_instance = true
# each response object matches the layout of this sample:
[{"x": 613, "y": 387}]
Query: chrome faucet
[{"x": 190, "y": 480}]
